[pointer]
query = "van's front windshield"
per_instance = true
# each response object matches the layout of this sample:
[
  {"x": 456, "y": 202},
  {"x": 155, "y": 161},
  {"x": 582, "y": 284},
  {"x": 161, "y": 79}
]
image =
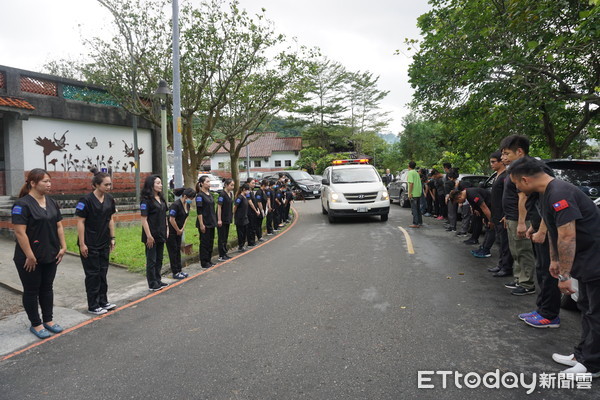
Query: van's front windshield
[{"x": 354, "y": 175}]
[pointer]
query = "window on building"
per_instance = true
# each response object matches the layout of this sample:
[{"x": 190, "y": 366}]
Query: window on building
[
  {"x": 288, "y": 163},
  {"x": 257, "y": 163},
  {"x": 245, "y": 164},
  {"x": 278, "y": 163},
  {"x": 221, "y": 165}
]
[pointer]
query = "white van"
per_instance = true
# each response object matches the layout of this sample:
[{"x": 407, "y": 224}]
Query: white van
[{"x": 353, "y": 188}]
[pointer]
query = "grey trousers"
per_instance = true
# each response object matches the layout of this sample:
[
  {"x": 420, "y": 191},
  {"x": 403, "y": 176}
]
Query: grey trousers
[{"x": 522, "y": 253}]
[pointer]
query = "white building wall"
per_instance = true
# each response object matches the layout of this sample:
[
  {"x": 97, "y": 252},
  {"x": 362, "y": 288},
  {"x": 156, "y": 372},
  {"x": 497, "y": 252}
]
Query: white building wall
[{"x": 76, "y": 146}]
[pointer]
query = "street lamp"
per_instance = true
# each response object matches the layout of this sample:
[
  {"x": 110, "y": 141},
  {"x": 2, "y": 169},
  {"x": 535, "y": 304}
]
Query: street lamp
[{"x": 162, "y": 93}]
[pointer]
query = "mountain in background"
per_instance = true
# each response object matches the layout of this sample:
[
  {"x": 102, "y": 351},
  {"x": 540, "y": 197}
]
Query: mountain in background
[{"x": 391, "y": 138}]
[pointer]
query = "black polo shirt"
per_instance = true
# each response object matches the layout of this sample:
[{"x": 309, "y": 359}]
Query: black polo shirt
[
  {"x": 241, "y": 211},
  {"x": 180, "y": 212},
  {"x": 562, "y": 203},
  {"x": 261, "y": 197},
  {"x": 496, "y": 197},
  {"x": 205, "y": 205},
  {"x": 41, "y": 229},
  {"x": 478, "y": 196},
  {"x": 157, "y": 219},
  {"x": 226, "y": 203},
  {"x": 439, "y": 186},
  {"x": 449, "y": 185},
  {"x": 97, "y": 219},
  {"x": 510, "y": 199},
  {"x": 251, "y": 198}
]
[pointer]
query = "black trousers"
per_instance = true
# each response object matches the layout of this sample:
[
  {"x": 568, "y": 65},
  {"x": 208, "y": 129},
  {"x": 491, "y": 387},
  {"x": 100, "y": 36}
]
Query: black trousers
[
  {"x": 587, "y": 351},
  {"x": 548, "y": 299},
  {"x": 505, "y": 260},
  {"x": 174, "y": 249},
  {"x": 223, "y": 235},
  {"x": 154, "y": 262},
  {"x": 95, "y": 266},
  {"x": 207, "y": 242},
  {"x": 241, "y": 234},
  {"x": 287, "y": 211},
  {"x": 276, "y": 217},
  {"x": 489, "y": 238},
  {"x": 270, "y": 222},
  {"x": 476, "y": 226},
  {"x": 442, "y": 208},
  {"x": 429, "y": 200},
  {"x": 452, "y": 213},
  {"x": 37, "y": 289},
  {"x": 258, "y": 221},
  {"x": 251, "y": 228}
]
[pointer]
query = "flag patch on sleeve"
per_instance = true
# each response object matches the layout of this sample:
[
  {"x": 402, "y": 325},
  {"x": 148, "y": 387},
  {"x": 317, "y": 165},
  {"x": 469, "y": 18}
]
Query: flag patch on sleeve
[
  {"x": 476, "y": 199},
  {"x": 80, "y": 206},
  {"x": 560, "y": 205},
  {"x": 173, "y": 213},
  {"x": 143, "y": 206},
  {"x": 17, "y": 210}
]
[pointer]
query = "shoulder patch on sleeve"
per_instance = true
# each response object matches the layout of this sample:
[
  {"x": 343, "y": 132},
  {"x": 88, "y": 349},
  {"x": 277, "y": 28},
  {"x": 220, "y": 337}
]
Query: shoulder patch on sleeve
[
  {"x": 199, "y": 199},
  {"x": 220, "y": 198},
  {"x": 238, "y": 200},
  {"x": 173, "y": 213},
  {"x": 80, "y": 206},
  {"x": 143, "y": 206},
  {"x": 560, "y": 205},
  {"x": 476, "y": 199},
  {"x": 258, "y": 197},
  {"x": 17, "y": 210}
]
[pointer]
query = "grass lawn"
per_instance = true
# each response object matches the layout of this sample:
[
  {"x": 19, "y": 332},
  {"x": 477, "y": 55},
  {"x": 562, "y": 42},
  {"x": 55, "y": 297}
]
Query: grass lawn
[{"x": 129, "y": 250}]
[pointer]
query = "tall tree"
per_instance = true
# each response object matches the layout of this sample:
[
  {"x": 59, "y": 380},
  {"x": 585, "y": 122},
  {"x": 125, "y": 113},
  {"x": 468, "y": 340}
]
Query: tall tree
[{"x": 511, "y": 62}]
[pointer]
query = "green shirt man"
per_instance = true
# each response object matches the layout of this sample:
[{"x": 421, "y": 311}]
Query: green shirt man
[{"x": 414, "y": 183}]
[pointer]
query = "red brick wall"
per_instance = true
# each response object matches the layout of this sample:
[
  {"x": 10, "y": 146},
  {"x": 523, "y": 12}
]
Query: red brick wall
[{"x": 81, "y": 182}]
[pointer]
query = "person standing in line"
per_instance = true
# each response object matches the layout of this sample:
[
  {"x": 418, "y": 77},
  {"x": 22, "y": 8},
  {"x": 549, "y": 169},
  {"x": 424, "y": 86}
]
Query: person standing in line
[
  {"x": 207, "y": 220},
  {"x": 39, "y": 249},
  {"x": 449, "y": 185},
  {"x": 517, "y": 217},
  {"x": 240, "y": 213},
  {"x": 423, "y": 175},
  {"x": 276, "y": 202},
  {"x": 178, "y": 214},
  {"x": 414, "y": 194},
  {"x": 153, "y": 208},
  {"x": 224, "y": 217},
  {"x": 440, "y": 196},
  {"x": 261, "y": 203},
  {"x": 270, "y": 199},
  {"x": 289, "y": 199},
  {"x": 573, "y": 226},
  {"x": 282, "y": 190},
  {"x": 505, "y": 260},
  {"x": 253, "y": 213},
  {"x": 96, "y": 240}
]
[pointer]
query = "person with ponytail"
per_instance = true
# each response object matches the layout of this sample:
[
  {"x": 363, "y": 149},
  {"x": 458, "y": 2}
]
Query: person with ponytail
[
  {"x": 178, "y": 213},
  {"x": 240, "y": 212},
  {"x": 96, "y": 240},
  {"x": 207, "y": 220},
  {"x": 224, "y": 217},
  {"x": 154, "y": 229},
  {"x": 40, "y": 248}
]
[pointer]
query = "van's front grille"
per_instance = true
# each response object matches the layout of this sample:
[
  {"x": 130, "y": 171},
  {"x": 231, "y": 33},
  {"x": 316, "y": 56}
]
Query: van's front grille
[{"x": 361, "y": 197}]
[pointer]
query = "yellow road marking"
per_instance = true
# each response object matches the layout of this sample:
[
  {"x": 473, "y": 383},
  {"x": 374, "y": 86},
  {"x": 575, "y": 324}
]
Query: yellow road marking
[{"x": 409, "y": 245}]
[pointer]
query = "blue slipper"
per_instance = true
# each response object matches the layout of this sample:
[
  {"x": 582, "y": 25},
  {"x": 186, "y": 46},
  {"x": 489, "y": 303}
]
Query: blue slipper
[
  {"x": 56, "y": 328},
  {"x": 41, "y": 334}
]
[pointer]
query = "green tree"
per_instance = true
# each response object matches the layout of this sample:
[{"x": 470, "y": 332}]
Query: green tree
[{"x": 506, "y": 66}]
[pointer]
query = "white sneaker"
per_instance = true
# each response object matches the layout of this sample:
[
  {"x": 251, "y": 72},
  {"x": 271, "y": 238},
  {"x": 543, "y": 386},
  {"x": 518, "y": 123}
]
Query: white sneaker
[
  {"x": 98, "y": 311},
  {"x": 108, "y": 306},
  {"x": 565, "y": 360},
  {"x": 579, "y": 368}
]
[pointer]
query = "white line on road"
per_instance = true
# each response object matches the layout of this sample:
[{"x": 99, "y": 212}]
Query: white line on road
[{"x": 409, "y": 245}]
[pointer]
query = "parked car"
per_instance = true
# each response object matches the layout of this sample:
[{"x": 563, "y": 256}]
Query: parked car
[
  {"x": 585, "y": 174},
  {"x": 482, "y": 181},
  {"x": 243, "y": 176},
  {"x": 317, "y": 178},
  {"x": 398, "y": 190},
  {"x": 300, "y": 181}
]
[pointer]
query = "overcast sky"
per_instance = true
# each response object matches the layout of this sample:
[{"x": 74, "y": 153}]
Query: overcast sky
[{"x": 361, "y": 34}]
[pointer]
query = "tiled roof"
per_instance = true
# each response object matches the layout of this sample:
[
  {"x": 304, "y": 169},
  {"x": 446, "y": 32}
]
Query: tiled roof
[
  {"x": 14, "y": 102},
  {"x": 266, "y": 144}
]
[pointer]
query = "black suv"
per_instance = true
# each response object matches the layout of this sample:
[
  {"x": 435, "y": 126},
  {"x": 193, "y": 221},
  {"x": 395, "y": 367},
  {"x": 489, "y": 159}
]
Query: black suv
[
  {"x": 585, "y": 174},
  {"x": 398, "y": 189},
  {"x": 299, "y": 180}
]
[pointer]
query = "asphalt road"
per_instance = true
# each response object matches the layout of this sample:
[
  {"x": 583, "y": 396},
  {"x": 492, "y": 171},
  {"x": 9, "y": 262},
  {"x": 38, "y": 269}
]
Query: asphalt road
[{"x": 324, "y": 311}]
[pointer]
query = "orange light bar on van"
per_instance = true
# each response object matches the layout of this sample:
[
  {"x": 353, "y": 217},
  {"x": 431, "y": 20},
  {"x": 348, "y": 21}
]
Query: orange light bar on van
[{"x": 357, "y": 161}]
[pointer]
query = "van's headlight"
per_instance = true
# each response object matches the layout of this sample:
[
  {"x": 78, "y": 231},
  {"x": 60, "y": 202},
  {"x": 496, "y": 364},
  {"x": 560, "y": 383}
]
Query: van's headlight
[
  {"x": 334, "y": 196},
  {"x": 385, "y": 195}
]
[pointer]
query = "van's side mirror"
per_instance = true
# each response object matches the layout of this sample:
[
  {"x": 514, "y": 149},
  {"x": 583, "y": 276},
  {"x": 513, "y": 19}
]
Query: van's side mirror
[{"x": 325, "y": 181}]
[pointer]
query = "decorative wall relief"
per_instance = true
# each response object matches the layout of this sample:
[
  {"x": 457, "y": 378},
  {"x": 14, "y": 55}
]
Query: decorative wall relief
[{"x": 50, "y": 146}]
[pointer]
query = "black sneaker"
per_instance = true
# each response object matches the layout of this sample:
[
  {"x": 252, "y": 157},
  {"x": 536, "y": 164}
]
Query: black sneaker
[
  {"x": 221, "y": 259},
  {"x": 97, "y": 311},
  {"x": 494, "y": 269},
  {"x": 108, "y": 306},
  {"x": 461, "y": 234},
  {"x": 511, "y": 285},
  {"x": 163, "y": 284},
  {"x": 521, "y": 291},
  {"x": 179, "y": 275},
  {"x": 241, "y": 249},
  {"x": 449, "y": 229},
  {"x": 471, "y": 241},
  {"x": 155, "y": 288}
]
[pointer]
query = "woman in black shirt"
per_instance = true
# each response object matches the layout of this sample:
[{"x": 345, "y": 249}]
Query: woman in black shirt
[
  {"x": 96, "y": 239},
  {"x": 207, "y": 220},
  {"x": 224, "y": 217},
  {"x": 40, "y": 248},
  {"x": 154, "y": 229},
  {"x": 240, "y": 212},
  {"x": 178, "y": 213}
]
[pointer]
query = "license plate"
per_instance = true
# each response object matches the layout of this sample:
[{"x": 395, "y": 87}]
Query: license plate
[
  {"x": 315, "y": 192},
  {"x": 362, "y": 209}
]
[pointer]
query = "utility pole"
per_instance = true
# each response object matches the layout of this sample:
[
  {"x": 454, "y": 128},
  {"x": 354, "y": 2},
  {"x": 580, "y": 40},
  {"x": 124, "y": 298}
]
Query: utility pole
[{"x": 177, "y": 151}]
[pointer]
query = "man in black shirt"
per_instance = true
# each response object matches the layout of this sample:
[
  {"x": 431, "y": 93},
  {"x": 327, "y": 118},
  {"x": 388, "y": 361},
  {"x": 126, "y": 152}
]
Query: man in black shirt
[
  {"x": 253, "y": 213},
  {"x": 505, "y": 261},
  {"x": 573, "y": 223}
]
